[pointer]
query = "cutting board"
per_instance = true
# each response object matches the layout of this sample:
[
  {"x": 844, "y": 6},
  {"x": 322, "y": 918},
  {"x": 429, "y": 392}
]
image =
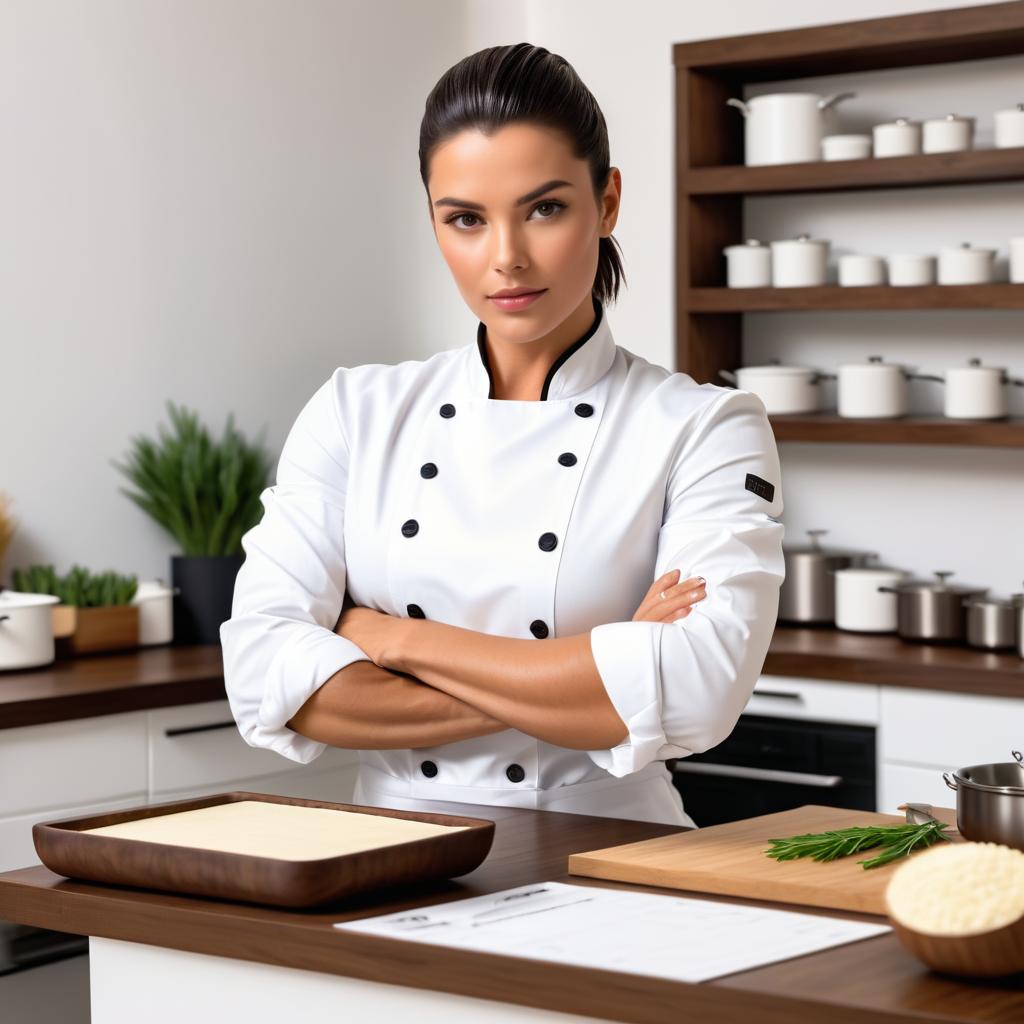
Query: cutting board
[{"x": 729, "y": 860}]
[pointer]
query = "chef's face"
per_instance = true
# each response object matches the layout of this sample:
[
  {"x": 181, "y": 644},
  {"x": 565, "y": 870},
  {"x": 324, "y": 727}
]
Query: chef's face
[{"x": 502, "y": 222}]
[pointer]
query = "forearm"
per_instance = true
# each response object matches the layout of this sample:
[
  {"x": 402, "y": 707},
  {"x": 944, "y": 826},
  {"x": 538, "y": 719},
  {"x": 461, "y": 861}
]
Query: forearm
[
  {"x": 366, "y": 707},
  {"x": 550, "y": 689}
]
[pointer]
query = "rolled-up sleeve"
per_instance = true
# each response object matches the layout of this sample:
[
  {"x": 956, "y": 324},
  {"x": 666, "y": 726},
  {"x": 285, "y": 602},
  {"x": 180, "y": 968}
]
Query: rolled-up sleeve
[
  {"x": 279, "y": 645},
  {"x": 681, "y": 686}
]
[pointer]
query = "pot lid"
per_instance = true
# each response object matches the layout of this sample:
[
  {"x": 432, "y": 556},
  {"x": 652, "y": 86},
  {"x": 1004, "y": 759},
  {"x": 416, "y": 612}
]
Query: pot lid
[
  {"x": 866, "y": 571},
  {"x": 773, "y": 368},
  {"x": 938, "y": 586},
  {"x": 901, "y": 121},
  {"x": 986, "y": 598},
  {"x": 948, "y": 117},
  {"x": 21, "y": 599},
  {"x": 802, "y": 239},
  {"x": 967, "y": 247},
  {"x": 872, "y": 361}
]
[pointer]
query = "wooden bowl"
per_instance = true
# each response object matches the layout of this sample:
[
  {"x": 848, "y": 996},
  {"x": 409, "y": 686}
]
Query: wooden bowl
[{"x": 982, "y": 955}]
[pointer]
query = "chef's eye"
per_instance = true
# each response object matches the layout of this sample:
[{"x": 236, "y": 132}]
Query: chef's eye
[{"x": 555, "y": 207}]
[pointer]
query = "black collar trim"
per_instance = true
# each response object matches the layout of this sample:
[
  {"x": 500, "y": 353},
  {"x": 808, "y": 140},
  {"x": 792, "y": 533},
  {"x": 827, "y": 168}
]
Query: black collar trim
[{"x": 481, "y": 334}]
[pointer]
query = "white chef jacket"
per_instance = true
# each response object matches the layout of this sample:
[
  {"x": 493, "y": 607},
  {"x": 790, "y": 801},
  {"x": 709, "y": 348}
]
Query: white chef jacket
[{"x": 425, "y": 497}]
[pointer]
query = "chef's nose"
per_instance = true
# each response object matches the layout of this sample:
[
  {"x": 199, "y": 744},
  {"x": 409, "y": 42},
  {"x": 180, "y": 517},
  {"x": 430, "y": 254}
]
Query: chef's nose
[{"x": 508, "y": 254}]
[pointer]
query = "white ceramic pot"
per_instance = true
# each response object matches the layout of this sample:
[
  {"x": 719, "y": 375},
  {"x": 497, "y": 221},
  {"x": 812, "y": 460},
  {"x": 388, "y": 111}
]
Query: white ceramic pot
[
  {"x": 901, "y": 137},
  {"x": 907, "y": 269},
  {"x": 782, "y": 389},
  {"x": 156, "y": 612},
  {"x": 860, "y": 606},
  {"x": 800, "y": 262},
  {"x": 1017, "y": 260},
  {"x": 946, "y": 134},
  {"x": 786, "y": 127},
  {"x": 976, "y": 392},
  {"x": 846, "y": 147},
  {"x": 748, "y": 265},
  {"x": 1009, "y": 127},
  {"x": 965, "y": 265},
  {"x": 857, "y": 270},
  {"x": 872, "y": 390},
  {"x": 26, "y": 629}
]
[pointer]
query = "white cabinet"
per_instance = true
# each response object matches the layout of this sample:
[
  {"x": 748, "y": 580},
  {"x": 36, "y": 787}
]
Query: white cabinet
[
  {"x": 904, "y": 783},
  {"x": 814, "y": 700}
]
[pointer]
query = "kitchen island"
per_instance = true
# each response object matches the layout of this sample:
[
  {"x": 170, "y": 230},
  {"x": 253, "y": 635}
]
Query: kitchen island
[{"x": 163, "y": 957}]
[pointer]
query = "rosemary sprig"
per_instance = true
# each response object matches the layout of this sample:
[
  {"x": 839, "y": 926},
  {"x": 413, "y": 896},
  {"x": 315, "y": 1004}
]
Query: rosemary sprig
[{"x": 897, "y": 840}]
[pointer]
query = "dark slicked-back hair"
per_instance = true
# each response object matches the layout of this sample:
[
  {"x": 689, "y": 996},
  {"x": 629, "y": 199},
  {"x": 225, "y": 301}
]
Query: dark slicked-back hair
[{"x": 525, "y": 83}]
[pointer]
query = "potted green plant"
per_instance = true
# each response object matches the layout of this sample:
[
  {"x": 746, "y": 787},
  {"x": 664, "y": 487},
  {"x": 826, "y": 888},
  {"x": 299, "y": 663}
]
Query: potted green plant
[
  {"x": 95, "y": 612},
  {"x": 206, "y": 494}
]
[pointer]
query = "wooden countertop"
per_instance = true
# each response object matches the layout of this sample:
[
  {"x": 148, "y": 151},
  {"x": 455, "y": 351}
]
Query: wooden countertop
[
  {"x": 872, "y": 980},
  {"x": 153, "y": 677}
]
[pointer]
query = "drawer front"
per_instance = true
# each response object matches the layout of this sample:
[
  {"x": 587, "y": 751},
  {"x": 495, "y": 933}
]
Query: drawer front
[
  {"x": 904, "y": 783},
  {"x": 199, "y": 745},
  {"x": 949, "y": 730},
  {"x": 815, "y": 700},
  {"x": 17, "y": 850},
  {"x": 68, "y": 764}
]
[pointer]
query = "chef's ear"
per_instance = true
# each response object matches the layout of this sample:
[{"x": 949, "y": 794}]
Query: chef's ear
[{"x": 611, "y": 199}]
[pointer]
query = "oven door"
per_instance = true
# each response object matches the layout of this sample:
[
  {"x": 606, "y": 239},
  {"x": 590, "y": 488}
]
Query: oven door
[{"x": 770, "y": 764}]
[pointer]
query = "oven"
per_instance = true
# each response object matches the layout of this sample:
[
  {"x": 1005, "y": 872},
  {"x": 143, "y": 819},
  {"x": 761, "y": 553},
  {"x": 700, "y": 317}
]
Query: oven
[{"x": 797, "y": 742}]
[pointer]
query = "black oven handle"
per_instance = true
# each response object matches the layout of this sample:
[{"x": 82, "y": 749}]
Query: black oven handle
[
  {"x": 798, "y": 697},
  {"x": 737, "y": 771}
]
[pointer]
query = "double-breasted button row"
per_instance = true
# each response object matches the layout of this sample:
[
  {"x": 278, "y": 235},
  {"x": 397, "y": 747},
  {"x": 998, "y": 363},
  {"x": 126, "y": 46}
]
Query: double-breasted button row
[{"x": 514, "y": 772}]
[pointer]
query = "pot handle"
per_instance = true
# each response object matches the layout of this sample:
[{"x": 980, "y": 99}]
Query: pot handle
[
  {"x": 926, "y": 376},
  {"x": 739, "y": 105},
  {"x": 827, "y": 101},
  {"x": 730, "y": 377},
  {"x": 946, "y": 778},
  {"x": 1014, "y": 380},
  {"x": 887, "y": 590},
  {"x": 820, "y": 375},
  {"x": 4, "y": 618}
]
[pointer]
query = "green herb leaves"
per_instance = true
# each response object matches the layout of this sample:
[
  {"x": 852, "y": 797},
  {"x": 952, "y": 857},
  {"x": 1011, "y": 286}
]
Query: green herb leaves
[
  {"x": 78, "y": 587},
  {"x": 898, "y": 840}
]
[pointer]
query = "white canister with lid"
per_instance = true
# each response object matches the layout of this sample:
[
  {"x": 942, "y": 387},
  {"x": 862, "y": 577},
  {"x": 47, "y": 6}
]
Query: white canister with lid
[
  {"x": 846, "y": 147},
  {"x": 908, "y": 269},
  {"x": 976, "y": 392},
  {"x": 1009, "y": 127},
  {"x": 26, "y": 629},
  {"x": 1017, "y": 260},
  {"x": 748, "y": 265},
  {"x": 860, "y": 606},
  {"x": 857, "y": 270},
  {"x": 156, "y": 612},
  {"x": 901, "y": 137},
  {"x": 872, "y": 390},
  {"x": 800, "y": 262},
  {"x": 964, "y": 264},
  {"x": 947, "y": 134},
  {"x": 784, "y": 390}
]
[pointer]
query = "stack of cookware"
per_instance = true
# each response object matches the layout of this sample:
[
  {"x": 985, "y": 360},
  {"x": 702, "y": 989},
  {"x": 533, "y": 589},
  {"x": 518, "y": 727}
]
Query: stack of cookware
[{"x": 848, "y": 590}]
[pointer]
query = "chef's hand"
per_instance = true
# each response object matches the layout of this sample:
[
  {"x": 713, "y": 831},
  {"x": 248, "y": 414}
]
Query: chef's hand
[
  {"x": 677, "y": 602},
  {"x": 372, "y": 631}
]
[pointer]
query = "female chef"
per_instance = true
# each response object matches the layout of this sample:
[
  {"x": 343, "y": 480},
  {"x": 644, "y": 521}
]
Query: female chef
[{"x": 529, "y": 569}]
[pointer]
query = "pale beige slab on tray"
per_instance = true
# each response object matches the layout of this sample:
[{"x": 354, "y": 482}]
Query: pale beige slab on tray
[
  {"x": 729, "y": 860},
  {"x": 281, "y": 831}
]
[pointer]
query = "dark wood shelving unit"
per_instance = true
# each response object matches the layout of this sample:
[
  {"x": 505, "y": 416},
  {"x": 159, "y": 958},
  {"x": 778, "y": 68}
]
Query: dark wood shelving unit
[
  {"x": 936, "y": 430},
  {"x": 712, "y": 182}
]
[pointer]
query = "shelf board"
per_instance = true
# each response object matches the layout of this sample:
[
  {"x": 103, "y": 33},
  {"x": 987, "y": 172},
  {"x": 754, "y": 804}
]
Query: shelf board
[
  {"x": 829, "y": 427},
  {"x": 828, "y": 653},
  {"x": 966, "y": 167},
  {"x": 956, "y": 296}
]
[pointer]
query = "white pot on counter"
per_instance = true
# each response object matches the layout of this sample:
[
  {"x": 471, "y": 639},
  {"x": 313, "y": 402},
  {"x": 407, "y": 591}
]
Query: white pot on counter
[
  {"x": 976, "y": 392},
  {"x": 860, "y": 607},
  {"x": 901, "y": 137},
  {"x": 26, "y": 629},
  {"x": 1009, "y": 127},
  {"x": 947, "y": 134},
  {"x": 858, "y": 270},
  {"x": 786, "y": 127},
  {"x": 872, "y": 390},
  {"x": 911, "y": 269},
  {"x": 783, "y": 389},
  {"x": 964, "y": 264},
  {"x": 748, "y": 265},
  {"x": 846, "y": 147},
  {"x": 800, "y": 262},
  {"x": 156, "y": 612}
]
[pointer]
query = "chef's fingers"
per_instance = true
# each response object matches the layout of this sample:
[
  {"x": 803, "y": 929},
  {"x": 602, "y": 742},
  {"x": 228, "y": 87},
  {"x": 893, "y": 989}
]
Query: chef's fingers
[
  {"x": 661, "y": 595},
  {"x": 679, "y": 605}
]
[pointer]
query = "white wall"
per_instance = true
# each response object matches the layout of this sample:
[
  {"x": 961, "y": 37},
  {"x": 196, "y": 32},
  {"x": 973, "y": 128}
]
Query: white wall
[{"x": 218, "y": 202}]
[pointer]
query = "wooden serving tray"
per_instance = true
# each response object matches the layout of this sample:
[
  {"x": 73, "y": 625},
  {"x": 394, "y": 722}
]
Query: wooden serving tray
[
  {"x": 729, "y": 860},
  {"x": 283, "y": 851}
]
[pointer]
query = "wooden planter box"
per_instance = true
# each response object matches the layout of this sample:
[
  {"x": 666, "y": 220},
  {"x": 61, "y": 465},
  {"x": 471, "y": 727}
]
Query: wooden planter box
[{"x": 88, "y": 630}]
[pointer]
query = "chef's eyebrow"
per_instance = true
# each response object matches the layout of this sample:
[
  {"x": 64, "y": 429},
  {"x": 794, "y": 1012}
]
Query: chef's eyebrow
[{"x": 521, "y": 201}]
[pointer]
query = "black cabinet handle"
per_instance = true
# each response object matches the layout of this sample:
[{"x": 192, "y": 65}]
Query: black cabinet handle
[
  {"x": 778, "y": 693},
  {"x": 185, "y": 730}
]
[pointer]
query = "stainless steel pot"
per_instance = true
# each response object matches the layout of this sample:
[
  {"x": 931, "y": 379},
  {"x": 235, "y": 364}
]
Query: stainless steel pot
[
  {"x": 808, "y": 593},
  {"x": 932, "y": 612},
  {"x": 990, "y": 802},
  {"x": 991, "y": 623}
]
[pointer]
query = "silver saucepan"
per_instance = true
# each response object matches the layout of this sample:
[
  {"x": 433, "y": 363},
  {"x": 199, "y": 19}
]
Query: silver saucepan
[{"x": 990, "y": 802}]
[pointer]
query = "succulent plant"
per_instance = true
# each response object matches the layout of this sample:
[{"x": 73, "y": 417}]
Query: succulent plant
[
  {"x": 79, "y": 586},
  {"x": 204, "y": 493}
]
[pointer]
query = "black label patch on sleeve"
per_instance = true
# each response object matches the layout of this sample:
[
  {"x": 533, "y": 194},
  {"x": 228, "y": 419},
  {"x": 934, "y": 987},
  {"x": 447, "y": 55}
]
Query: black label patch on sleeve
[{"x": 760, "y": 487}]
